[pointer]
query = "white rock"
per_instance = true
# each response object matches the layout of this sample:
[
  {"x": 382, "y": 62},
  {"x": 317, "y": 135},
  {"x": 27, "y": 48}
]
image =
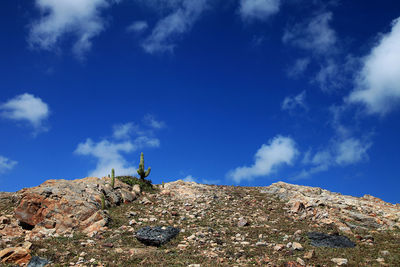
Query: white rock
[{"x": 339, "y": 261}]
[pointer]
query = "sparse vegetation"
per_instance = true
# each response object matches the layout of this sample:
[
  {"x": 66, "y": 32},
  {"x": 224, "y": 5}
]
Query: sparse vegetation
[{"x": 145, "y": 184}]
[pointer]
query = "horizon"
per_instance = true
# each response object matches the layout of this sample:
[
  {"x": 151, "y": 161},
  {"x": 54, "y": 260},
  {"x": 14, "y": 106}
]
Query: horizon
[{"x": 240, "y": 92}]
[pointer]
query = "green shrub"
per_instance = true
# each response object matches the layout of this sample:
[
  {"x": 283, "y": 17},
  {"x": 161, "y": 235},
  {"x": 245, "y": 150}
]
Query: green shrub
[{"x": 145, "y": 185}]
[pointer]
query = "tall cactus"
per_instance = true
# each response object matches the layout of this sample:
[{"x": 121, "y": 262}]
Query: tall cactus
[
  {"x": 141, "y": 171},
  {"x": 112, "y": 178}
]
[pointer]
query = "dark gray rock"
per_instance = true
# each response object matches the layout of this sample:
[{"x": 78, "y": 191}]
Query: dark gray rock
[
  {"x": 331, "y": 241},
  {"x": 156, "y": 236},
  {"x": 37, "y": 262}
]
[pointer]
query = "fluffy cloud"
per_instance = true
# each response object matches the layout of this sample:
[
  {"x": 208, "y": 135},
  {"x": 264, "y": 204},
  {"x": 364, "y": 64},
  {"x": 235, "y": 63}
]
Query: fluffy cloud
[
  {"x": 378, "y": 83},
  {"x": 258, "y": 9},
  {"x": 171, "y": 27},
  {"x": 80, "y": 18},
  {"x": 279, "y": 151},
  {"x": 340, "y": 153},
  {"x": 292, "y": 102},
  {"x": 315, "y": 35},
  {"x": 189, "y": 178},
  {"x": 26, "y": 107},
  {"x": 137, "y": 26},
  {"x": 6, "y": 164},
  {"x": 109, "y": 153}
]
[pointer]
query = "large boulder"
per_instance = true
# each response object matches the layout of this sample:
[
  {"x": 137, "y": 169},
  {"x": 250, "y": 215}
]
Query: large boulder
[
  {"x": 156, "y": 236},
  {"x": 62, "y": 206}
]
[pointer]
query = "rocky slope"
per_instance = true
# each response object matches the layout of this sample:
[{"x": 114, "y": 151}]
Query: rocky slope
[{"x": 62, "y": 222}]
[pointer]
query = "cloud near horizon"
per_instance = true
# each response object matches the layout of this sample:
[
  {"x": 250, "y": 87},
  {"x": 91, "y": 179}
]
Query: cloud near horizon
[
  {"x": 378, "y": 82},
  {"x": 109, "y": 153},
  {"x": 28, "y": 108},
  {"x": 6, "y": 164},
  {"x": 279, "y": 151}
]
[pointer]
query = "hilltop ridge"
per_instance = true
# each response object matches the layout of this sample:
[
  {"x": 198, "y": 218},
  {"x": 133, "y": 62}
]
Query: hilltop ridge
[{"x": 62, "y": 222}]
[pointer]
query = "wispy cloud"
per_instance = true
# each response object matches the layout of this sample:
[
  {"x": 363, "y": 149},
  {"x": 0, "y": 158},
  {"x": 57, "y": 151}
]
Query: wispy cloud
[
  {"x": 341, "y": 152},
  {"x": 316, "y": 35},
  {"x": 299, "y": 67},
  {"x": 6, "y": 164},
  {"x": 151, "y": 121},
  {"x": 378, "y": 82},
  {"x": 109, "y": 152},
  {"x": 258, "y": 9},
  {"x": 79, "y": 18},
  {"x": 27, "y": 108},
  {"x": 172, "y": 27},
  {"x": 291, "y": 103},
  {"x": 279, "y": 151},
  {"x": 138, "y": 27}
]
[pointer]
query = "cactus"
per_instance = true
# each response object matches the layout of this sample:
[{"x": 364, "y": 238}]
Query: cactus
[
  {"x": 162, "y": 184},
  {"x": 112, "y": 178},
  {"x": 103, "y": 202},
  {"x": 141, "y": 171}
]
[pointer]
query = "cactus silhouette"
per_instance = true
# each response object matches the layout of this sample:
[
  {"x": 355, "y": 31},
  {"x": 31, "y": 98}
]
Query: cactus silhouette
[
  {"x": 141, "y": 171},
  {"x": 112, "y": 178}
]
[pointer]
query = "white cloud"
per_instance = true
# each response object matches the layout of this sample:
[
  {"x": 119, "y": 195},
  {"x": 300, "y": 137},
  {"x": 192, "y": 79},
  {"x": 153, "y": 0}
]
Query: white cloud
[
  {"x": 79, "y": 18},
  {"x": 351, "y": 151},
  {"x": 316, "y": 36},
  {"x": 137, "y": 26},
  {"x": 189, "y": 178},
  {"x": 26, "y": 107},
  {"x": 279, "y": 151},
  {"x": 378, "y": 83},
  {"x": 299, "y": 67},
  {"x": 340, "y": 153},
  {"x": 171, "y": 27},
  {"x": 6, "y": 164},
  {"x": 258, "y": 9},
  {"x": 292, "y": 102},
  {"x": 124, "y": 131},
  {"x": 149, "y": 120},
  {"x": 109, "y": 152}
]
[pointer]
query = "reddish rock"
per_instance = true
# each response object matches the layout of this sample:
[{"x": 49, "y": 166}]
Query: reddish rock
[
  {"x": 61, "y": 206},
  {"x": 298, "y": 207},
  {"x": 292, "y": 264},
  {"x": 17, "y": 255}
]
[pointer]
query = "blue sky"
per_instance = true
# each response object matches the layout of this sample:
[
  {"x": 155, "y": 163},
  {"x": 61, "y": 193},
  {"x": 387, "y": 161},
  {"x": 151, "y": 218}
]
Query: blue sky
[{"x": 238, "y": 92}]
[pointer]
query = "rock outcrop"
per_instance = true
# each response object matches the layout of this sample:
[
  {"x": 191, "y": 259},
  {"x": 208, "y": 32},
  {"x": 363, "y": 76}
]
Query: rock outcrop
[
  {"x": 346, "y": 212},
  {"x": 59, "y": 207}
]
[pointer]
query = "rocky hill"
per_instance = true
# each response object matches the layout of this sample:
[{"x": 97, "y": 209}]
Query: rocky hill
[{"x": 63, "y": 223}]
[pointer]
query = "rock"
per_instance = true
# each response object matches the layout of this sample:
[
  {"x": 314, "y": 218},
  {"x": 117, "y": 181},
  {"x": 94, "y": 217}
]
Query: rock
[
  {"x": 279, "y": 247},
  {"x": 242, "y": 222},
  {"x": 4, "y": 220},
  {"x": 297, "y": 207},
  {"x": 332, "y": 241},
  {"x": 301, "y": 261},
  {"x": 63, "y": 205},
  {"x": 108, "y": 245},
  {"x": 194, "y": 265},
  {"x": 339, "y": 261},
  {"x": 291, "y": 264},
  {"x": 297, "y": 246},
  {"x": 156, "y": 236},
  {"x": 380, "y": 260},
  {"x": 136, "y": 189},
  {"x": 309, "y": 254},
  {"x": 385, "y": 253},
  {"x": 17, "y": 255},
  {"x": 37, "y": 262}
]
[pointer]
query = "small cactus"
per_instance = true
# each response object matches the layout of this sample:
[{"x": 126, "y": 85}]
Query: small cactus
[
  {"x": 162, "y": 184},
  {"x": 112, "y": 178},
  {"x": 103, "y": 202},
  {"x": 143, "y": 174}
]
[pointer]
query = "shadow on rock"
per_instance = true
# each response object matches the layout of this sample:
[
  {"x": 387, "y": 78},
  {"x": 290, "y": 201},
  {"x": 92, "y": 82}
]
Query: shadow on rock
[{"x": 331, "y": 241}]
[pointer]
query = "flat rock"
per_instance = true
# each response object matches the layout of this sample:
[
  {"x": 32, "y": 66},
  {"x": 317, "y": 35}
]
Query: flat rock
[
  {"x": 37, "y": 262},
  {"x": 332, "y": 241},
  {"x": 156, "y": 236}
]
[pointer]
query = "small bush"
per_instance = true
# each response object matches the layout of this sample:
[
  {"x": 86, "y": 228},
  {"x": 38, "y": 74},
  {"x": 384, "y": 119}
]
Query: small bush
[{"x": 145, "y": 185}]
